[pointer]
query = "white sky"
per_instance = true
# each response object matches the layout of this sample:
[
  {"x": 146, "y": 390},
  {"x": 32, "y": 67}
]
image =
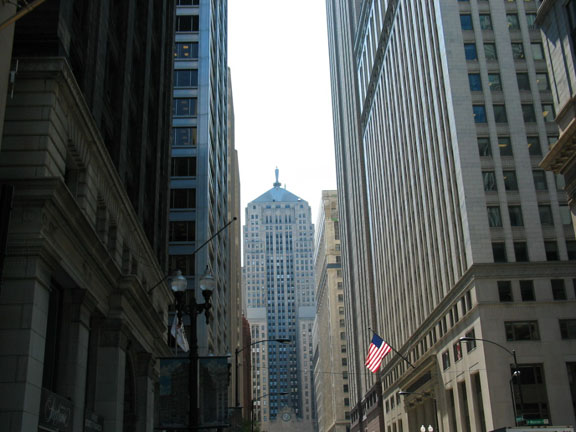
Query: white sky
[{"x": 278, "y": 56}]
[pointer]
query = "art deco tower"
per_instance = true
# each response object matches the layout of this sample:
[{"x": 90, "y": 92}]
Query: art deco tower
[{"x": 279, "y": 293}]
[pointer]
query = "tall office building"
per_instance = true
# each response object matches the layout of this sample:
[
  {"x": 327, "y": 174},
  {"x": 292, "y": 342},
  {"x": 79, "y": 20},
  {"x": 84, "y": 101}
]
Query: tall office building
[
  {"x": 85, "y": 149},
  {"x": 204, "y": 187},
  {"x": 331, "y": 386},
  {"x": 442, "y": 110},
  {"x": 279, "y": 295}
]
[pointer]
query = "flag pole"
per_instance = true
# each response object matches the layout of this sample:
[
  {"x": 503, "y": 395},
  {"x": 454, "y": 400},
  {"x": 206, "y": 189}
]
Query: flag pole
[{"x": 393, "y": 349}]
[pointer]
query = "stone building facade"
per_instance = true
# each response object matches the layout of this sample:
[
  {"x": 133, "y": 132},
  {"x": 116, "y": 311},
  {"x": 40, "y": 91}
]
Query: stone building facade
[
  {"x": 331, "y": 380},
  {"x": 449, "y": 228}
]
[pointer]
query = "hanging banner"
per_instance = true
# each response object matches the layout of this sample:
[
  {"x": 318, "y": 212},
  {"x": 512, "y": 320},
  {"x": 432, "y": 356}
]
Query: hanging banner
[
  {"x": 174, "y": 399},
  {"x": 214, "y": 375}
]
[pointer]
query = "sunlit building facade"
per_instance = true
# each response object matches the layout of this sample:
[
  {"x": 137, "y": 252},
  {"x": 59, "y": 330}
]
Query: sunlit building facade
[
  {"x": 449, "y": 227},
  {"x": 330, "y": 349}
]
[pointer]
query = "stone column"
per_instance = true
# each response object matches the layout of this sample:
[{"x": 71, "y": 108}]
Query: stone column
[
  {"x": 110, "y": 372},
  {"x": 146, "y": 379},
  {"x": 74, "y": 361},
  {"x": 24, "y": 301}
]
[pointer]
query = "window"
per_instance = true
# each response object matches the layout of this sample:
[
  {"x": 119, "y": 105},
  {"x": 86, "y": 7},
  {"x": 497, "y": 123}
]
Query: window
[
  {"x": 475, "y": 82},
  {"x": 466, "y": 21},
  {"x": 484, "y": 146},
  {"x": 548, "y": 113},
  {"x": 505, "y": 146},
  {"x": 183, "y": 198},
  {"x": 490, "y": 51},
  {"x": 457, "y": 350},
  {"x": 528, "y": 113},
  {"x": 513, "y": 23},
  {"x": 500, "y": 114},
  {"x": 542, "y": 81},
  {"x": 540, "y": 180},
  {"x": 188, "y": 2},
  {"x": 505, "y": 291},
  {"x": 531, "y": 20},
  {"x": 494, "y": 82},
  {"x": 515, "y": 213},
  {"x": 186, "y": 50},
  {"x": 568, "y": 328},
  {"x": 551, "y": 248},
  {"x": 183, "y": 166},
  {"x": 489, "y": 179},
  {"x": 470, "y": 345},
  {"x": 485, "y": 22},
  {"x": 479, "y": 113},
  {"x": 470, "y": 51},
  {"x": 523, "y": 81},
  {"x": 186, "y": 78},
  {"x": 182, "y": 231},
  {"x": 521, "y": 251},
  {"x": 534, "y": 146},
  {"x": 187, "y": 23},
  {"x": 494, "y": 218},
  {"x": 537, "y": 51},
  {"x": 545, "y": 212},
  {"x": 521, "y": 330},
  {"x": 518, "y": 51},
  {"x": 185, "y": 136},
  {"x": 499, "y": 252},
  {"x": 527, "y": 290},
  {"x": 184, "y": 107},
  {"x": 445, "y": 360},
  {"x": 510, "y": 181},
  {"x": 565, "y": 215},
  {"x": 558, "y": 289}
]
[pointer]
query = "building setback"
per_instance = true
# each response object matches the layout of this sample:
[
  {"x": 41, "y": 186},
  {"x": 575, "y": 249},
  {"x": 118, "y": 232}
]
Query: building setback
[
  {"x": 279, "y": 294},
  {"x": 331, "y": 386},
  {"x": 449, "y": 228}
]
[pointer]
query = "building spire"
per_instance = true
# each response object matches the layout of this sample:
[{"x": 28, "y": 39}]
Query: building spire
[{"x": 277, "y": 184}]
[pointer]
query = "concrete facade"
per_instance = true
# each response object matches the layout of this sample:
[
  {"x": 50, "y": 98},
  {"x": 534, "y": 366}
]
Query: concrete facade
[
  {"x": 279, "y": 293},
  {"x": 442, "y": 111},
  {"x": 331, "y": 383}
]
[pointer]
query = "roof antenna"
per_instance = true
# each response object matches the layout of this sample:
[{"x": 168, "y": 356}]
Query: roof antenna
[{"x": 277, "y": 184}]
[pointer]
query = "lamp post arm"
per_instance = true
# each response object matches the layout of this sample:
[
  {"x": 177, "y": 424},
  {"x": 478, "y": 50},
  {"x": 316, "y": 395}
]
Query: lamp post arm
[
  {"x": 213, "y": 236},
  {"x": 512, "y": 353}
]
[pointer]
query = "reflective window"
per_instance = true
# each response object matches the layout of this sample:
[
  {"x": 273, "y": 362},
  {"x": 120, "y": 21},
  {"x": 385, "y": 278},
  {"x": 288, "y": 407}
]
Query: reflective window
[
  {"x": 500, "y": 114},
  {"x": 494, "y": 82},
  {"x": 523, "y": 81},
  {"x": 489, "y": 179},
  {"x": 505, "y": 146},
  {"x": 494, "y": 217},
  {"x": 485, "y": 22},
  {"x": 484, "y": 147},
  {"x": 510, "y": 180},
  {"x": 537, "y": 51},
  {"x": 518, "y": 51},
  {"x": 475, "y": 82},
  {"x": 513, "y": 23},
  {"x": 470, "y": 51},
  {"x": 490, "y": 51},
  {"x": 534, "y": 146},
  {"x": 540, "y": 180},
  {"x": 466, "y": 21},
  {"x": 479, "y": 113},
  {"x": 515, "y": 213},
  {"x": 542, "y": 81},
  {"x": 528, "y": 113},
  {"x": 548, "y": 113}
]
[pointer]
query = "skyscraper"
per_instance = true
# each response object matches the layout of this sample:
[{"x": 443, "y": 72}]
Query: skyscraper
[
  {"x": 330, "y": 357},
  {"x": 442, "y": 110},
  {"x": 279, "y": 295},
  {"x": 204, "y": 179}
]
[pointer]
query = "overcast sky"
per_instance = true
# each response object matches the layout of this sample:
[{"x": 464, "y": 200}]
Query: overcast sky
[{"x": 278, "y": 56}]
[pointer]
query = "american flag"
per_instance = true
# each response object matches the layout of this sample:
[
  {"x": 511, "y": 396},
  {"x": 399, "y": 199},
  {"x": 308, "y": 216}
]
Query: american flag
[{"x": 376, "y": 352}]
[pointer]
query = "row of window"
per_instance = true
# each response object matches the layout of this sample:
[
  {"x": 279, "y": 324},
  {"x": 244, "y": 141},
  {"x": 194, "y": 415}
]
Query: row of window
[
  {"x": 505, "y": 145},
  {"x": 500, "y": 116},
  {"x": 517, "y": 219},
  {"x": 527, "y": 294},
  {"x": 515, "y": 331},
  {"x": 485, "y": 21},
  {"x": 495, "y": 82},
  {"x": 490, "y": 52},
  {"x": 521, "y": 251}
]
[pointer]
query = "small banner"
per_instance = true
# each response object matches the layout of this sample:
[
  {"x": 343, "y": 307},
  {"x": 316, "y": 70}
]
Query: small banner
[
  {"x": 214, "y": 374},
  {"x": 174, "y": 398}
]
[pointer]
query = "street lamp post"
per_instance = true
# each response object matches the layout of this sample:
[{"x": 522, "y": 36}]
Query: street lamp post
[
  {"x": 179, "y": 284},
  {"x": 430, "y": 429},
  {"x": 238, "y": 351},
  {"x": 515, "y": 374}
]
